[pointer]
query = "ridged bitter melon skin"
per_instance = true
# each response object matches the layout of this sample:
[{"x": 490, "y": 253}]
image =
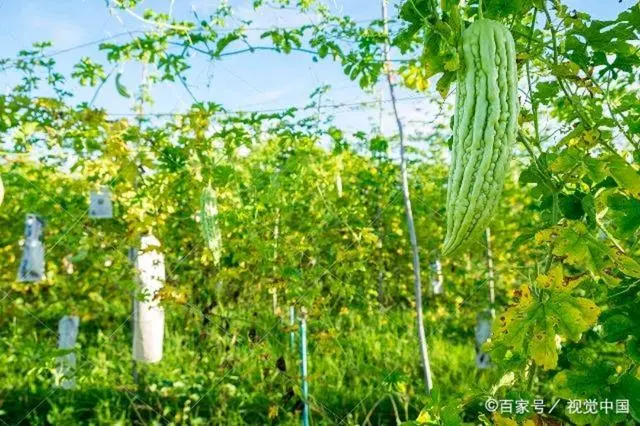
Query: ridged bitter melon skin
[
  {"x": 484, "y": 133},
  {"x": 209, "y": 222}
]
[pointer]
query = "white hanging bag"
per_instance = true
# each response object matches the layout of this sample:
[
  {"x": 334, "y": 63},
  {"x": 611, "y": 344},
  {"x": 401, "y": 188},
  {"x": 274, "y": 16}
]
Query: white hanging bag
[
  {"x": 100, "y": 204},
  {"x": 482, "y": 334},
  {"x": 32, "y": 263},
  {"x": 437, "y": 284}
]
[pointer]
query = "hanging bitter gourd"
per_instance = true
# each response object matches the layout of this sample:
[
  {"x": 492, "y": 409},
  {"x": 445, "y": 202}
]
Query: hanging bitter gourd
[
  {"x": 484, "y": 130},
  {"x": 209, "y": 222}
]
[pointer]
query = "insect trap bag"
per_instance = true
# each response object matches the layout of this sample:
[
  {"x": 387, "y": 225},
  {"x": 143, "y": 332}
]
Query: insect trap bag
[
  {"x": 32, "y": 263},
  {"x": 67, "y": 335},
  {"x": 148, "y": 315},
  {"x": 482, "y": 334},
  {"x": 437, "y": 285},
  {"x": 100, "y": 205}
]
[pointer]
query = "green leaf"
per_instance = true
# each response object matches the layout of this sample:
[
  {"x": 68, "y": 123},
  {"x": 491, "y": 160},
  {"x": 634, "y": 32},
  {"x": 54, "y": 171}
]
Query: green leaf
[
  {"x": 625, "y": 213},
  {"x": 231, "y": 37},
  {"x": 633, "y": 349},
  {"x": 571, "y": 206},
  {"x": 624, "y": 174},
  {"x": 588, "y": 204},
  {"x": 444, "y": 83},
  {"x": 628, "y": 387},
  {"x": 591, "y": 378},
  {"x": 617, "y": 327},
  {"x": 547, "y": 91}
]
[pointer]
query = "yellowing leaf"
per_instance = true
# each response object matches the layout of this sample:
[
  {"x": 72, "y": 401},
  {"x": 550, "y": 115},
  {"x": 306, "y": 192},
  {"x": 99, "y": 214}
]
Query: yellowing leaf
[
  {"x": 498, "y": 420},
  {"x": 424, "y": 418},
  {"x": 273, "y": 412},
  {"x": 579, "y": 247},
  {"x": 556, "y": 280},
  {"x": 625, "y": 263},
  {"x": 543, "y": 346},
  {"x": 531, "y": 325}
]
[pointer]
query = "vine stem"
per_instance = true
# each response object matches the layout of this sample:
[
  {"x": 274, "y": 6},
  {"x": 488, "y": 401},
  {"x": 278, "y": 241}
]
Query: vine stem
[
  {"x": 480, "y": 9},
  {"x": 422, "y": 340},
  {"x": 373, "y": 408},
  {"x": 534, "y": 105},
  {"x": 532, "y": 374},
  {"x": 602, "y": 227},
  {"x": 547, "y": 181},
  {"x": 554, "y": 220},
  {"x": 379, "y": 212},
  {"x": 613, "y": 113},
  {"x": 547, "y": 266},
  {"x": 563, "y": 86},
  {"x": 163, "y": 25},
  {"x": 101, "y": 85}
]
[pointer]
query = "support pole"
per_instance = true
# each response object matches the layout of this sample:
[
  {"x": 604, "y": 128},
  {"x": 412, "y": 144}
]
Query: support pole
[
  {"x": 133, "y": 253},
  {"x": 417, "y": 286},
  {"x": 303, "y": 367},
  {"x": 292, "y": 321}
]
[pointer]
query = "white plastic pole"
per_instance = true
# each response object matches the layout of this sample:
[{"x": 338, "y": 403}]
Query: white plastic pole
[
  {"x": 303, "y": 367},
  {"x": 148, "y": 315}
]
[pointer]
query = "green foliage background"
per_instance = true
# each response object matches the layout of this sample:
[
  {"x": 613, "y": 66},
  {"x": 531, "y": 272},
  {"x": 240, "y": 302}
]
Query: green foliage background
[{"x": 565, "y": 238}]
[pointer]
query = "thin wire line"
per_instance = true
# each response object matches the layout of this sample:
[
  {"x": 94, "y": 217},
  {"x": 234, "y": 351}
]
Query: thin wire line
[
  {"x": 219, "y": 31},
  {"x": 326, "y": 106}
]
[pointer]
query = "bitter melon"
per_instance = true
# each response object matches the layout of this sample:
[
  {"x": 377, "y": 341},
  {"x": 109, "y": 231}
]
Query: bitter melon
[
  {"x": 484, "y": 130},
  {"x": 209, "y": 222}
]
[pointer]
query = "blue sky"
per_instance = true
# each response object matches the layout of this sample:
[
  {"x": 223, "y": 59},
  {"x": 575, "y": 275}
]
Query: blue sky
[{"x": 259, "y": 81}]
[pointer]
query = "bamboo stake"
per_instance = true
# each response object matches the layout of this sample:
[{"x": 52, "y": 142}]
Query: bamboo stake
[{"x": 379, "y": 211}]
